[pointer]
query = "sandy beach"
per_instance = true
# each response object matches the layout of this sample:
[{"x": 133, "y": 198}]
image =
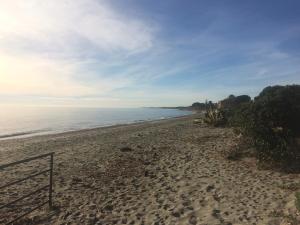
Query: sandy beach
[{"x": 160, "y": 172}]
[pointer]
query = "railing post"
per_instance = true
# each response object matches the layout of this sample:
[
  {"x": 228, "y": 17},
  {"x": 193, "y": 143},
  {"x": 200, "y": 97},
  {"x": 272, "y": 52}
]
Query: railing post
[
  {"x": 51, "y": 181},
  {"x": 50, "y": 186}
]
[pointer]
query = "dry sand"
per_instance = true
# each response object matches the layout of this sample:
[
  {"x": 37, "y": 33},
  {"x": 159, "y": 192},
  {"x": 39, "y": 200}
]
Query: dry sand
[{"x": 172, "y": 173}]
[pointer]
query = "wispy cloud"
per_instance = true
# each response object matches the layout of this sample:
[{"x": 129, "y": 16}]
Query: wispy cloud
[
  {"x": 46, "y": 46},
  {"x": 93, "y": 52},
  {"x": 60, "y": 25}
]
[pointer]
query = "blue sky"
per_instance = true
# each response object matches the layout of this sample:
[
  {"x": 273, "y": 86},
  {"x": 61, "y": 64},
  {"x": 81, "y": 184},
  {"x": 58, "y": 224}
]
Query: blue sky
[{"x": 134, "y": 53}]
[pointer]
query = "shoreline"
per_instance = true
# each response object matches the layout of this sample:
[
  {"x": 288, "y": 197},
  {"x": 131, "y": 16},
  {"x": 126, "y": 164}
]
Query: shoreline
[
  {"x": 171, "y": 172},
  {"x": 40, "y": 133}
]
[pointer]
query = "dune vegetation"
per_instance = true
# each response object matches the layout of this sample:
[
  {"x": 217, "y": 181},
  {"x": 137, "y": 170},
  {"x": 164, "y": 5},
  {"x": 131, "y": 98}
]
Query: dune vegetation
[{"x": 270, "y": 123}]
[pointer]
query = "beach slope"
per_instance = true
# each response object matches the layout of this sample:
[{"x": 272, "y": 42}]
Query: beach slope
[{"x": 162, "y": 172}]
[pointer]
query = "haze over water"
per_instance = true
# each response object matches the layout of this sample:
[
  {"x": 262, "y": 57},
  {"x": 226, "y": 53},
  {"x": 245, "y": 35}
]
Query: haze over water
[{"x": 28, "y": 121}]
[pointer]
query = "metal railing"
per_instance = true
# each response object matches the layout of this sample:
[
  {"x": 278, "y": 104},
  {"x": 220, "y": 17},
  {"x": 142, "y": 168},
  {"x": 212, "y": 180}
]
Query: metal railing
[{"x": 49, "y": 186}]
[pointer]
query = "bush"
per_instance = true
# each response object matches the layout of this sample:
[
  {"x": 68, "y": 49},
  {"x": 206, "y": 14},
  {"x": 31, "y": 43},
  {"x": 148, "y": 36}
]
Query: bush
[
  {"x": 233, "y": 102},
  {"x": 272, "y": 121},
  {"x": 214, "y": 117},
  {"x": 229, "y": 106}
]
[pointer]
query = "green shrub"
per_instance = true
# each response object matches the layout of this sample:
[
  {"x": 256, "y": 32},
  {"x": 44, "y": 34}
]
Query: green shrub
[
  {"x": 240, "y": 116},
  {"x": 232, "y": 104},
  {"x": 272, "y": 120}
]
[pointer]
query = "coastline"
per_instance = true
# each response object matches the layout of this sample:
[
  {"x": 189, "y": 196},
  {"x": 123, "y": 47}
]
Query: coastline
[
  {"x": 36, "y": 133},
  {"x": 171, "y": 173},
  {"x": 78, "y": 133}
]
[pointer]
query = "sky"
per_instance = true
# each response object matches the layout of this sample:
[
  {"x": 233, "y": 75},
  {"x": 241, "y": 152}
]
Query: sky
[{"x": 133, "y": 53}]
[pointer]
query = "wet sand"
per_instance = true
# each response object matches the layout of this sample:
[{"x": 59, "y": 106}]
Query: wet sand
[{"x": 161, "y": 172}]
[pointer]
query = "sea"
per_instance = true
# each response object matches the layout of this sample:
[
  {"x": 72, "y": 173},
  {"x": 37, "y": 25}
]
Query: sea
[{"x": 25, "y": 121}]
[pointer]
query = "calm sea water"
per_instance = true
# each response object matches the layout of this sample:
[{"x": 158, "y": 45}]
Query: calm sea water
[{"x": 29, "y": 121}]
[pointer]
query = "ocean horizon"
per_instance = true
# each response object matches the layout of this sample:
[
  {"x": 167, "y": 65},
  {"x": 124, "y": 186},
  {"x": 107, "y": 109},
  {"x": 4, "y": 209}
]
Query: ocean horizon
[{"x": 26, "y": 121}]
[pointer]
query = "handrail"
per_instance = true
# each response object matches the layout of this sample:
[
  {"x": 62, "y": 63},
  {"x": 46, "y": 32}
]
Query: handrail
[
  {"x": 35, "y": 208},
  {"x": 25, "y": 160},
  {"x": 24, "y": 196},
  {"x": 23, "y": 179},
  {"x": 50, "y": 170}
]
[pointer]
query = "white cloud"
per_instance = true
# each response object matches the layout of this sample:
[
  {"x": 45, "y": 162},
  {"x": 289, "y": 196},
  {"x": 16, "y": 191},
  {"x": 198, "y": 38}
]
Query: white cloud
[
  {"x": 41, "y": 43},
  {"x": 55, "y": 23}
]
